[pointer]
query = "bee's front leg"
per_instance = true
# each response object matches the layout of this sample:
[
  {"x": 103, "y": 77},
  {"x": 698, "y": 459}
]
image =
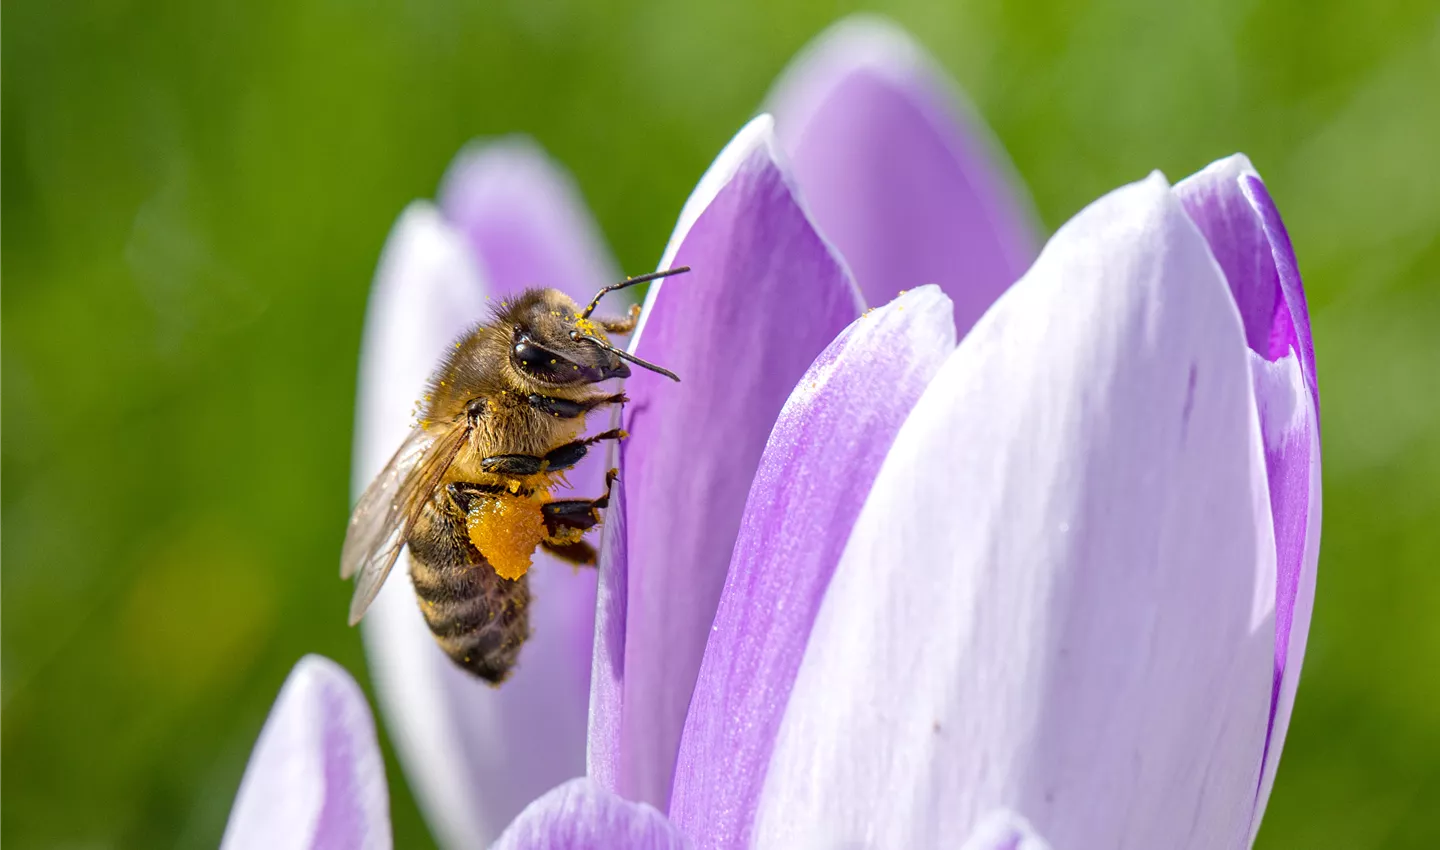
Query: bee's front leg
[
  {"x": 621, "y": 326},
  {"x": 564, "y": 408}
]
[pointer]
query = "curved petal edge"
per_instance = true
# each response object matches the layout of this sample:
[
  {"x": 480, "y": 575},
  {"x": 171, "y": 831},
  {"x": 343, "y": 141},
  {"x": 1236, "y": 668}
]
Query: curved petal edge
[
  {"x": 1047, "y": 602},
  {"x": 899, "y": 172},
  {"x": 581, "y": 815},
  {"x": 821, "y": 457},
  {"x": 765, "y": 296},
  {"x": 316, "y": 778}
]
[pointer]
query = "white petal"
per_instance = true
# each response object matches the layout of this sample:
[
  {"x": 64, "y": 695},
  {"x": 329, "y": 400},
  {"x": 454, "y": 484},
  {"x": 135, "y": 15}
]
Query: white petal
[{"x": 1047, "y": 602}]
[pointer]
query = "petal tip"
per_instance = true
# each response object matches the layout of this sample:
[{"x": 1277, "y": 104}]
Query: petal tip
[
  {"x": 862, "y": 43},
  {"x": 757, "y": 136}
]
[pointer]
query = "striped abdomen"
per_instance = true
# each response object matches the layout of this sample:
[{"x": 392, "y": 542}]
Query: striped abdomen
[{"x": 479, "y": 619}]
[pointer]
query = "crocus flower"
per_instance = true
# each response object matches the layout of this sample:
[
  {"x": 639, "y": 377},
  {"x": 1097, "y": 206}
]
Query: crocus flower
[
  {"x": 862, "y": 584},
  {"x": 316, "y": 778}
]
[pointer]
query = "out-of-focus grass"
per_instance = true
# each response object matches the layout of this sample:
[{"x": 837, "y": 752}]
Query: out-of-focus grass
[{"x": 195, "y": 194}]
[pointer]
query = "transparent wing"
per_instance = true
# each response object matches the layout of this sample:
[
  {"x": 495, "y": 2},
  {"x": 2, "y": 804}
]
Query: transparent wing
[{"x": 388, "y": 508}]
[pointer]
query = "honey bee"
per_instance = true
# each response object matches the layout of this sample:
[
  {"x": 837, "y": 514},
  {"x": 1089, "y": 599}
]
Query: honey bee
[{"x": 469, "y": 490}]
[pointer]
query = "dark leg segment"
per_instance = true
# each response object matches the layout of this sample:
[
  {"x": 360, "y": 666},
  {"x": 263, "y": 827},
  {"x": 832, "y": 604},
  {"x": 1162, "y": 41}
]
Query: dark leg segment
[
  {"x": 572, "y": 515},
  {"x": 579, "y": 553},
  {"x": 621, "y": 326},
  {"x": 463, "y": 493},
  {"x": 564, "y": 408},
  {"x": 557, "y": 459}
]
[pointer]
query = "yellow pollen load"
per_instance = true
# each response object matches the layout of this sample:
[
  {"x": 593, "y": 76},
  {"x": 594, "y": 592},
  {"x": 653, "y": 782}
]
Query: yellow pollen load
[
  {"x": 507, "y": 529},
  {"x": 585, "y": 326}
]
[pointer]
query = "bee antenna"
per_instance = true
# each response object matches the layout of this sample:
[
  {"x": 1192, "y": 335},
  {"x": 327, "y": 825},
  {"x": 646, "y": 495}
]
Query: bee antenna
[
  {"x": 631, "y": 281},
  {"x": 630, "y": 357}
]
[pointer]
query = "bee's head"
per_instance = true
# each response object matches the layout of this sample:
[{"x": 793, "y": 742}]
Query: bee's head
[
  {"x": 556, "y": 344},
  {"x": 551, "y": 345}
]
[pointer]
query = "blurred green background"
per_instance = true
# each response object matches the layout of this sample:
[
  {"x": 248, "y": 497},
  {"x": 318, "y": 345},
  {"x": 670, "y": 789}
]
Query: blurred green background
[{"x": 195, "y": 195}]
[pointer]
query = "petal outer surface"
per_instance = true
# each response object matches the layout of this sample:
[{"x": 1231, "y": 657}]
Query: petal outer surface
[
  {"x": 818, "y": 465},
  {"x": 1292, "y": 458},
  {"x": 1230, "y": 205},
  {"x": 474, "y": 754},
  {"x": 316, "y": 778},
  {"x": 525, "y": 220},
  {"x": 1046, "y": 603},
  {"x": 899, "y": 173},
  {"x": 582, "y": 815},
  {"x": 765, "y": 298}
]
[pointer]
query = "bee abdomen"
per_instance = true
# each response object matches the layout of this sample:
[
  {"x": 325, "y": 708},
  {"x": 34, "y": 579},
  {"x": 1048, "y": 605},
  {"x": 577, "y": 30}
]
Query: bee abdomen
[{"x": 478, "y": 618}]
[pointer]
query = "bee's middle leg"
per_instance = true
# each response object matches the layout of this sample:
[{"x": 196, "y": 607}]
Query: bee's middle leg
[{"x": 557, "y": 459}]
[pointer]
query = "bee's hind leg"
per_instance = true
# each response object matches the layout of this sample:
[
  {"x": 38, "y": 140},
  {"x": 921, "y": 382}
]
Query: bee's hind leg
[
  {"x": 462, "y": 493},
  {"x": 567, "y": 519},
  {"x": 579, "y": 553}
]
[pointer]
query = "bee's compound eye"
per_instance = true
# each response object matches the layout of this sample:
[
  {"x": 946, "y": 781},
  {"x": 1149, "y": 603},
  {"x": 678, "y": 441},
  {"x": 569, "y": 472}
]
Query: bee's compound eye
[{"x": 531, "y": 356}]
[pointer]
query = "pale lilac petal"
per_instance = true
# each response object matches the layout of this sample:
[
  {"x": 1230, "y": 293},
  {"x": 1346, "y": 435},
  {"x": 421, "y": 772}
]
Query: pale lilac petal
[
  {"x": 474, "y": 755},
  {"x": 316, "y": 779},
  {"x": 1047, "y": 602},
  {"x": 899, "y": 173},
  {"x": 1229, "y": 204},
  {"x": 818, "y": 465},
  {"x": 582, "y": 815},
  {"x": 525, "y": 220},
  {"x": 1004, "y": 830},
  {"x": 765, "y": 298}
]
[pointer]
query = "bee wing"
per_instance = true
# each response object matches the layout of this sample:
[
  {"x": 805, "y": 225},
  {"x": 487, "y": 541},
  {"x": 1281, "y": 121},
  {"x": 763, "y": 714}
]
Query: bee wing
[{"x": 388, "y": 508}]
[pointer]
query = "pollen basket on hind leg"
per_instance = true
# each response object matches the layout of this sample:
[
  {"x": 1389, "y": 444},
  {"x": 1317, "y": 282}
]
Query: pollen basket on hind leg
[{"x": 507, "y": 529}]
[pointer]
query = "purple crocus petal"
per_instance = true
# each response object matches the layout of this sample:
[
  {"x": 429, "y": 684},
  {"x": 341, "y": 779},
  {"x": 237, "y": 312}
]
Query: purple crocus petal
[
  {"x": 1229, "y": 204},
  {"x": 765, "y": 296},
  {"x": 899, "y": 173},
  {"x": 1004, "y": 830},
  {"x": 525, "y": 220},
  {"x": 1047, "y": 603},
  {"x": 1292, "y": 458},
  {"x": 475, "y": 755},
  {"x": 316, "y": 778},
  {"x": 582, "y": 815},
  {"x": 818, "y": 465}
]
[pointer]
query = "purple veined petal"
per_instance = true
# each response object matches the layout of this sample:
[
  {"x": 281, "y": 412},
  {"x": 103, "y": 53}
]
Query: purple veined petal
[
  {"x": 1231, "y": 207},
  {"x": 316, "y": 778},
  {"x": 1004, "y": 830},
  {"x": 765, "y": 296},
  {"x": 1292, "y": 458},
  {"x": 525, "y": 220},
  {"x": 1047, "y": 603},
  {"x": 899, "y": 173},
  {"x": 475, "y": 755},
  {"x": 582, "y": 815},
  {"x": 818, "y": 464}
]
